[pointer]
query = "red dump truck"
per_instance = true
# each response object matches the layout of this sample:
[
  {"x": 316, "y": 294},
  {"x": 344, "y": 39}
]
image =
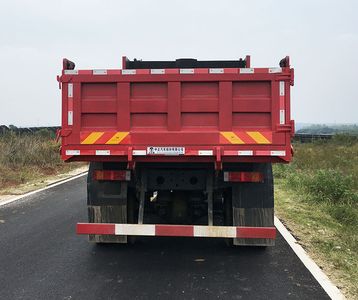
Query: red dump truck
[{"x": 178, "y": 148}]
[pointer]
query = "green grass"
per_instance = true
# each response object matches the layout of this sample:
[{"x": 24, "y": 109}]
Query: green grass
[
  {"x": 317, "y": 196},
  {"x": 28, "y": 157}
]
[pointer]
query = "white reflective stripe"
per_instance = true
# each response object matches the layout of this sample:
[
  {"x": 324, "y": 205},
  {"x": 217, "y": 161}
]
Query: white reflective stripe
[
  {"x": 157, "y": 71},
  {"x": 205, "y": 152},
  {"x": 275, "y": 70},
  {"x": 100, "y": 72},
  {"x": 282, "y": 88},
  {"x": 139, "y": 152},
  {"x": 134, "y": 229},
  {"x": 70, "y": 118},
  {"x": 129, "y": 72},
  {"x": 71, "y": 72},
  {"x": 216, "y": 71},
  {"x": 70, "y": 90},
  {"x": 128, "y": 175},
  {"x": 186, "y": 71},
  {"x": 215, "y": 231},
  {"x": 247, "y": 70},
  {"x": 245, "y": 153},
  {"x": 73, "y": 152},
  {"x": 103, "y": 152},
  {"x": 226, "y": 176},
  {"x": 278, "y": 153},
  {"x": 282, "y": 116}
]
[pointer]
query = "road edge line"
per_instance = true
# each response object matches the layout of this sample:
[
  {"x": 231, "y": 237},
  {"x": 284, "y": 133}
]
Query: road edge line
[
  {"x": 332, "y": 290},
  {"x": 51, "y": 185}
]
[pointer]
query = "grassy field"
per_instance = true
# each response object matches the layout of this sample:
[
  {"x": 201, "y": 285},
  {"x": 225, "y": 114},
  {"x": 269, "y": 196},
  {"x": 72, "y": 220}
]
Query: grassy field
[
  {"x": 317, "y": 198},
  {"x": 28, "y": 157}
]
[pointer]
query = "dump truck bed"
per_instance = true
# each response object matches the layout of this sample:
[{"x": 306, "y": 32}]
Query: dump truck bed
[{"x": 199, "y": 114}]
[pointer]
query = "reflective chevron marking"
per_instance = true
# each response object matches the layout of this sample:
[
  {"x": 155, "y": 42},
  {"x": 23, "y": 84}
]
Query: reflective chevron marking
[
  {"x": 247, "y": 137},
  {"x": 102, "y": 138},
  {"x": 232, "y": 137},
  {"x": 92, "y": 138},
  {"x": 258, "y": 137},
  {"x": 117, "y": 138}
]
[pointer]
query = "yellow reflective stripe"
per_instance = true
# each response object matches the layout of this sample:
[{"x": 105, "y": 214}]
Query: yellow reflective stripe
[
  {"x": 258, "y": 137},
  {"x": 117, "y": 138},
  {"x": 232, "y": 137},
  {"x": 92, "y": 138}
]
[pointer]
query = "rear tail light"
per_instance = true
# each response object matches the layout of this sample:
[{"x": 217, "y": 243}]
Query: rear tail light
[
  {"x": 115, "y": 175},
  {"x": 243, "y": 177}
]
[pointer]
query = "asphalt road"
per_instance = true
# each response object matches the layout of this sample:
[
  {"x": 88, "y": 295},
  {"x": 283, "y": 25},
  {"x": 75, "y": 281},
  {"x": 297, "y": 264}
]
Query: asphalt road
[{"x": 41, "y": 257}]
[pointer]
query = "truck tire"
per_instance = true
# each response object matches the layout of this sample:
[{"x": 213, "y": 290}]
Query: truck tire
[
  {"x": 107, "y": 203},
  {"x": 253, "y": 205}
]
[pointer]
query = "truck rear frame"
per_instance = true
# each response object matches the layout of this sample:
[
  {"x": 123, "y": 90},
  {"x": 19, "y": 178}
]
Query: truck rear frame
[{"x": 176, "y": 139}]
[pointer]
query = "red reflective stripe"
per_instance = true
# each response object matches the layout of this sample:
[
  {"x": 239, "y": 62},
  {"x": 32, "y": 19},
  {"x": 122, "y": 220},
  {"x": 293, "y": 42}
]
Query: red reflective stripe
[
  {"x": 245, "y": 176},
  {"x": 120, "y": 175},
  {"x": 261, "y": 70},
  {"x": 88, "y": 152},
  {"x": 85, "y": 72},
  {"x": 282, "y": 102},
  {"x": 118, "y": 152},
  {"x": 231, "y": 70},
  {"x": 256, "y": 232},
  {"x": 95, "y": 228},
  {"x": 171, "y": 71},
  {"x": 70, "y": 103},
  {"x": 201, "y": 71},
  {"x": 114, "y": 72},
  {"x": 231, "y": 152},
  {"x": 191, "y": 152},
  {"x": 174, "y": 230},
  {"x": 142, "y": 71},
  {"x": 263, "y": 153}
]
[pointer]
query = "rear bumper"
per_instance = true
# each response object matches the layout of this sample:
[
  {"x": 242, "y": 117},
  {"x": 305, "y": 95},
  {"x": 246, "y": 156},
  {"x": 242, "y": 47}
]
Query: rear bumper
[
  {"x": 219, "y": 154},
  {"x": 177, "y": 230}
]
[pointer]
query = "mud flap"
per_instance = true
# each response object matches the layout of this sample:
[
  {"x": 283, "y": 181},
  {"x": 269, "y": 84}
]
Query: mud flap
[
  {"x": 253, "y": 205},
  {"x": 107, "y": 214},
  {"x": 256, "y": 217},
  {"x": 107, "y": 203}
]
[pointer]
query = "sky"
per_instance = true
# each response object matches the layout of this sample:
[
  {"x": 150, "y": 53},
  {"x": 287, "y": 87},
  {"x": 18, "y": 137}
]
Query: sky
[{"x": 321, "y": 38}]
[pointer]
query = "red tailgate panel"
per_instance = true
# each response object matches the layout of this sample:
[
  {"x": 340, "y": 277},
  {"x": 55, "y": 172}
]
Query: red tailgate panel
[{"x": 231, "y": 115}]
